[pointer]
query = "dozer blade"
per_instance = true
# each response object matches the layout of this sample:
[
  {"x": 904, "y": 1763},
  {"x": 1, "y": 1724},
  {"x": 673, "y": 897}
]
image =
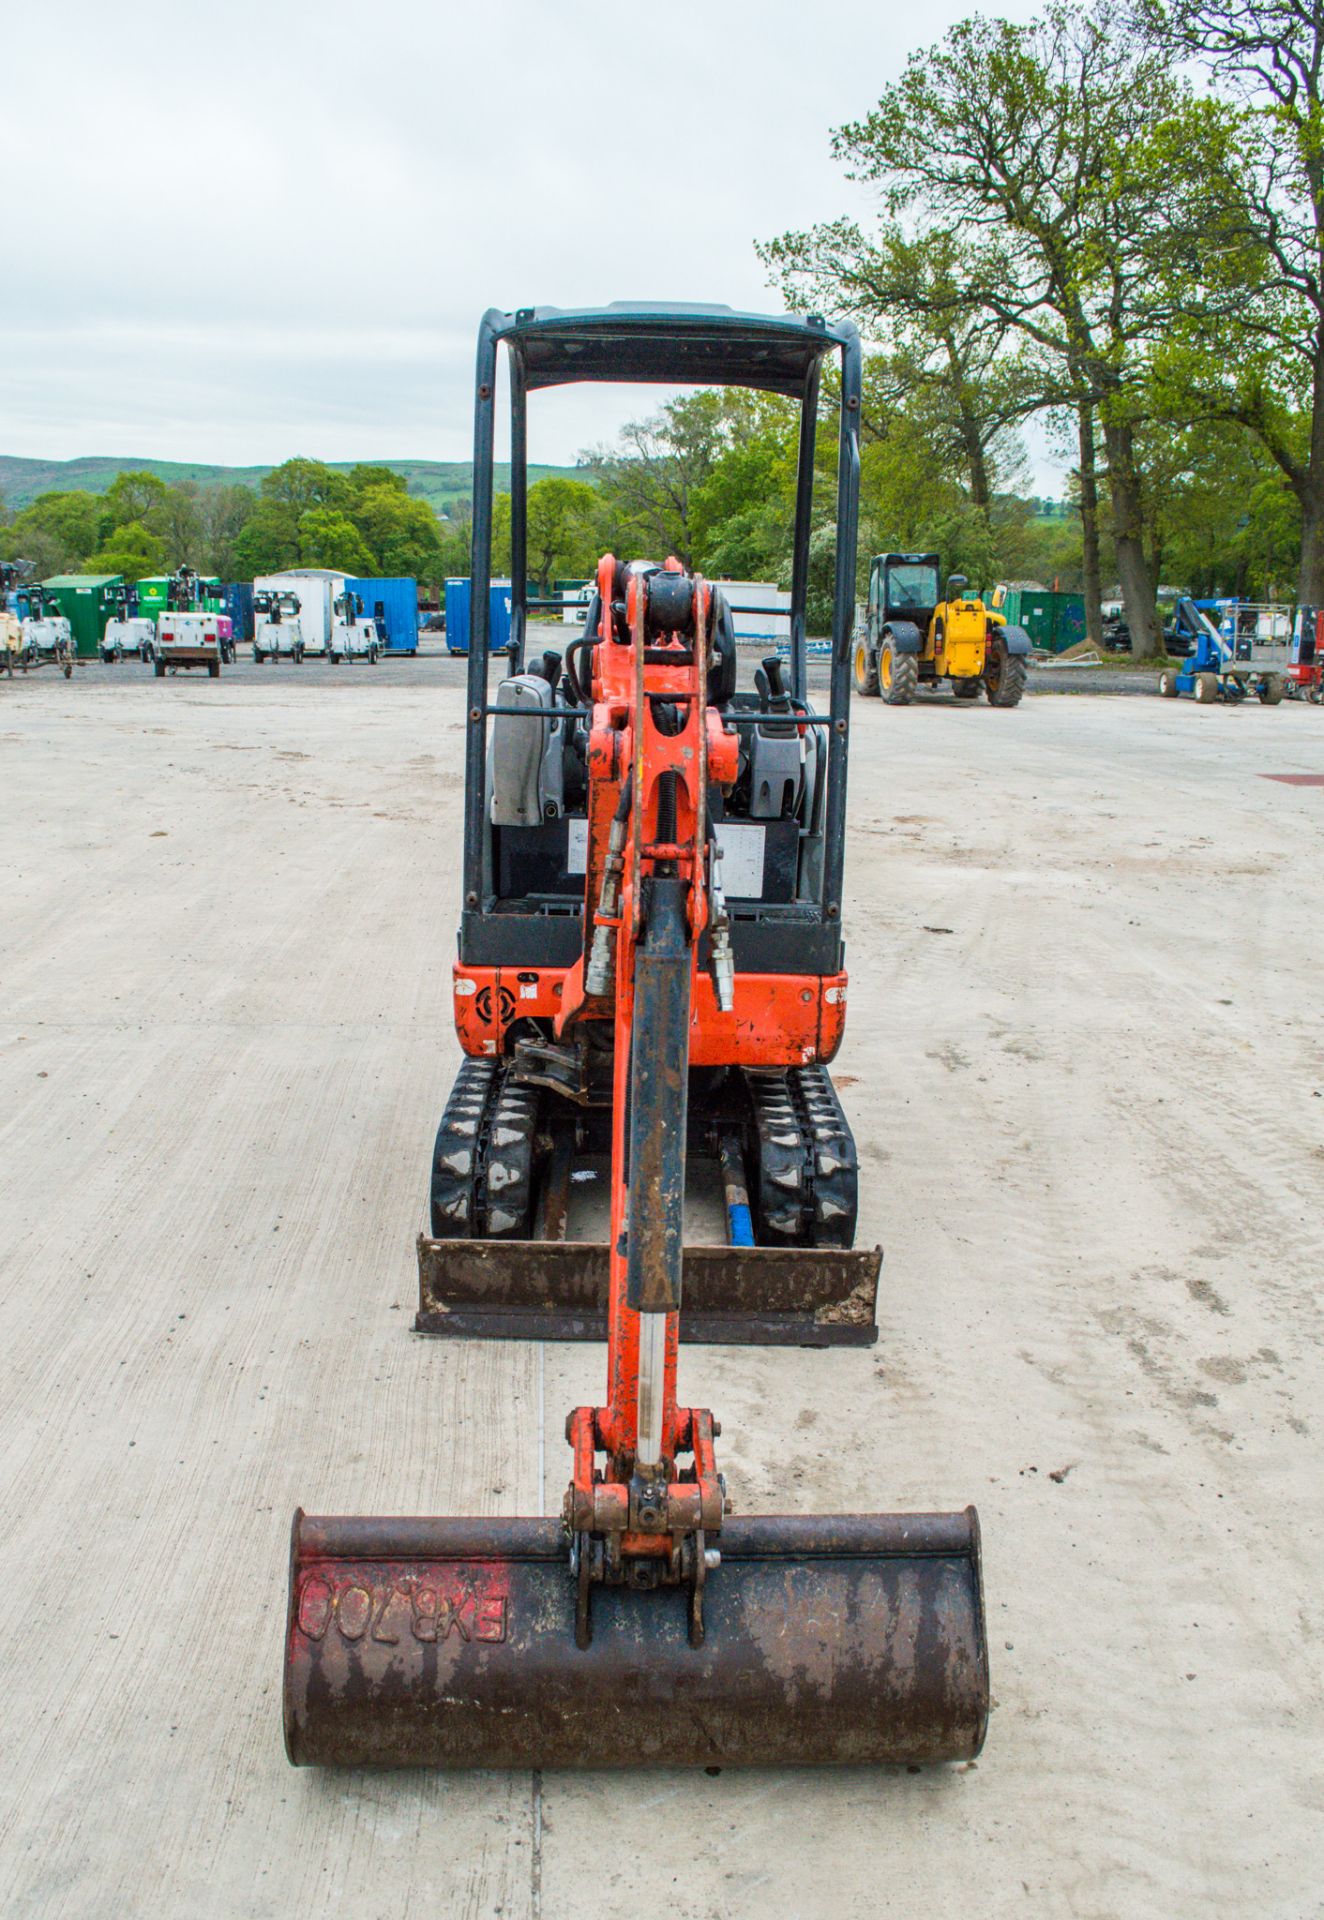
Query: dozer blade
[
  {"x": 733, "y": 1296},
  {"x": 835, "y": 1640}
]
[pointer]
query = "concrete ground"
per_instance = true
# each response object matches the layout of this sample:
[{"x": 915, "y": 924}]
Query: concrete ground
[{"x": 1085, "y": 1064}]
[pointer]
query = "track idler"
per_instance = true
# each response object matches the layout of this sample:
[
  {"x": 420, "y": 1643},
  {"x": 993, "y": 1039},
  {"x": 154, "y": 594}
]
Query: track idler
[{"x": 833, "y": 1640}]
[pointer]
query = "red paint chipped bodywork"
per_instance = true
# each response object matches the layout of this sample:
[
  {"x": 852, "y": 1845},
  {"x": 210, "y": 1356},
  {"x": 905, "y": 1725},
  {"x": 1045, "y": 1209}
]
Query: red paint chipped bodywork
[{"x": 780, "y": 1020}]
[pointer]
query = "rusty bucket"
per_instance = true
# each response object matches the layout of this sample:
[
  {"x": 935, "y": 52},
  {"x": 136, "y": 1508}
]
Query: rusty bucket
[{"x": 829, "y": 1640}]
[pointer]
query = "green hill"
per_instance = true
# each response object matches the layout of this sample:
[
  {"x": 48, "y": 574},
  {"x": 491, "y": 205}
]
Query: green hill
[{"x": 439, "y": 482}]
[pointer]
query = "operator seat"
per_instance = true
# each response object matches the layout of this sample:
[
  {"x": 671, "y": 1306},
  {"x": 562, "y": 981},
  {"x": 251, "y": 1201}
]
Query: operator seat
[{"x": 526, "y": 764}]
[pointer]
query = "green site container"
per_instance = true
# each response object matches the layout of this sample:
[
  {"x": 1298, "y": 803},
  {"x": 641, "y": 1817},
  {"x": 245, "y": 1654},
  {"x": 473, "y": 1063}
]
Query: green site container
[
  {"x": 87, "y": 601},
  {"x": 1053, "y": 620},
  {"x": 152, "y": 596}
]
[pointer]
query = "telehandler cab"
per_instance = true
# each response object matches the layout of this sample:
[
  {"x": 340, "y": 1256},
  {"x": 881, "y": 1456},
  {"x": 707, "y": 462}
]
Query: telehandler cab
[{"x": 913, "y": 637}]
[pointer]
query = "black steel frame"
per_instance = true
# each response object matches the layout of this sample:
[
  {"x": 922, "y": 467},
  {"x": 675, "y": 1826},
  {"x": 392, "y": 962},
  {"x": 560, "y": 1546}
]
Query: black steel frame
[{"x": 664, "y": 345}]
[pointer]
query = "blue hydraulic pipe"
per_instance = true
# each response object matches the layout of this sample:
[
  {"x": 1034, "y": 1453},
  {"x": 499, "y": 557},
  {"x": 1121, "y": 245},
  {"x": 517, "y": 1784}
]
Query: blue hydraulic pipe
[{"x": 739, "y": 1220}]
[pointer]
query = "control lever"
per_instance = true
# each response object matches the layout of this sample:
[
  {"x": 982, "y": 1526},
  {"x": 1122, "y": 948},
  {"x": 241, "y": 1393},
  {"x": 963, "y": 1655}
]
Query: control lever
[{"x": 774, "y": 696}]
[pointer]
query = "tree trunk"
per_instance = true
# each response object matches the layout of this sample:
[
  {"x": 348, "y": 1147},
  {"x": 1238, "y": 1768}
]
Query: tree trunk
[
  {"x": 1310, "y": 492},
  {"x": 1089, "y": 526},
  {"x": 1128, "y": 538},
  {"x": 981, "y": 493},
  {"x": 976, "y": 455}
]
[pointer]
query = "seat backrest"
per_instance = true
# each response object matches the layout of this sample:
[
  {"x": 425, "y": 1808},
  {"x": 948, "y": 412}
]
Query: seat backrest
[{"x": 527, "y": 755}]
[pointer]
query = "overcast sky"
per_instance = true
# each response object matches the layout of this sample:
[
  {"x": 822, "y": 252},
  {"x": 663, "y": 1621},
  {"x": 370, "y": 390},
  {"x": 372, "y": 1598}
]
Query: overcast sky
[{"x": 261, "y": 228}]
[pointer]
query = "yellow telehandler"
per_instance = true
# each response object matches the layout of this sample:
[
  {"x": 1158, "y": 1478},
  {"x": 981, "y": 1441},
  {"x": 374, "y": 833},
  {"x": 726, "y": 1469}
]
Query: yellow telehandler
[{"x": 912, "y": 638}]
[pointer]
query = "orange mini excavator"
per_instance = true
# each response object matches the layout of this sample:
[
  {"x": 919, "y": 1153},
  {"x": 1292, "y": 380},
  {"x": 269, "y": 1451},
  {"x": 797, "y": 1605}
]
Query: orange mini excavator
[{"x": 650, "y": 978}]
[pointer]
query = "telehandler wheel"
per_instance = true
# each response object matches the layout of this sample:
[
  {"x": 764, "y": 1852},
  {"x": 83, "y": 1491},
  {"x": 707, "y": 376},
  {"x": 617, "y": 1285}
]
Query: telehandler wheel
[
  {"x": 1167, "y": 683},
  {"x": 1206, "y": 688},
  {"x": 1004, "y": 676},
  {"x": 1270, "y": 690},
  {"x": 866, "y": 669},
  {"x": 968, "y": 689},
  {"x": 898, "y": 675}
]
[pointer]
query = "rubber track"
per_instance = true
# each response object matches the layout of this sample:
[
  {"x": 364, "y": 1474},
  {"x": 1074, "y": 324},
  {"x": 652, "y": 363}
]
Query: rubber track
[
  {"x": 804, "y": 1167},
  {"x": 482, "y": 1163}
]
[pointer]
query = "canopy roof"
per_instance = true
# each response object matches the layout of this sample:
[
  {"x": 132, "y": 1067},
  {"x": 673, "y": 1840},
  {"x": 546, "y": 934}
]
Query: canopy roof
[{"x": 670, "y": 343}]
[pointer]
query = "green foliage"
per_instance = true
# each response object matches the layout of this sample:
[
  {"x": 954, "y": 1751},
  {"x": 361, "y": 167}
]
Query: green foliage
[
  {"x": 132, "y": 496},
  {"x": 300, "y": 484},
  {"x": 61, "y": 527},
  {"x": 364, "y": 476},
  {"x": 562, "y": 530},
  {"x": 649, "y": 480},
  {"x": 131, "y": 549},
  {"x": 453, "y": 550},
  {"x": 1222, "y": 517},
  {"x": 237, "y": 531},
  {"x": 178, "y": 520},
  {"x": 1030, "y": 178},
  {"x": 1247, "y": 340},
  {"x": 744, "y": 505},
  {"x": 268, "y": 542},
  {"x": 500, "y": 536},
  {"x": 330, "y": 539},
  {"x": 402, "y": 534},
  {"x": 709, "y": 478},
  {"x": 224, "y": 512}
]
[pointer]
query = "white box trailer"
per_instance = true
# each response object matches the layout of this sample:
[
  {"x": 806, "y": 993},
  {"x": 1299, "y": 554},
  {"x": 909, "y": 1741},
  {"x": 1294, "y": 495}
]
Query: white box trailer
[
  {"x": 750, "y": 601},
  {"x": 575, "y": 604},
  {"x": 316, "y": 588}
]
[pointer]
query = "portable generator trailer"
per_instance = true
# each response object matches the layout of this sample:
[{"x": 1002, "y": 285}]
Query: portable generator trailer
[
  {"x": 189, "y": 633},
  {"x": 277, "y": 633},
  {"x": 631, "y": 974},
  {"x": 915, "y": 636},
  {"x": 1224, "y": 667},
  {"x": 191, "y": 639},
  {"x": 127, "y": 631},
  {"x": 353, "y": 637},
  {"x": 46, "y": 637}
]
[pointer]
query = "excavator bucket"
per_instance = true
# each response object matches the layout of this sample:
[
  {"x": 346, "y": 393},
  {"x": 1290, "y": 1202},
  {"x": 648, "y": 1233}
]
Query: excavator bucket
[
  {"x": 833, "y": 1640},
  {"x": 734, "y": 1296}
]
